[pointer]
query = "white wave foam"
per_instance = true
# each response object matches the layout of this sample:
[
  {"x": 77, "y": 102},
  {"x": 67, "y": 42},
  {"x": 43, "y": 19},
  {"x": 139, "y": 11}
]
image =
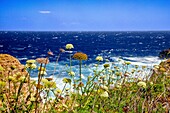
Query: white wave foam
[
  {"x": 61, "y": 67},
  {"x": 149, "y": 61}
]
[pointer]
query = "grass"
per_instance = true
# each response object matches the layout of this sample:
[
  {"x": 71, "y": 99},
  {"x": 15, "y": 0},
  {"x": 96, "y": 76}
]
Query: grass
[{"x": 111, "y": 89}]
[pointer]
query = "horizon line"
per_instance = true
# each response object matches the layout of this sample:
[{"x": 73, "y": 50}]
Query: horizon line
[{"x": 85, "y": 31}]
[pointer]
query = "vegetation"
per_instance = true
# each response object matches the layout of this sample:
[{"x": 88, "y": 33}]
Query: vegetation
[{"x": 114, "y": 88}]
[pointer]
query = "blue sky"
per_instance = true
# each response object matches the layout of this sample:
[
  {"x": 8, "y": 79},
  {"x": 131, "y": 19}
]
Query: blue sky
[{"x": 84, "y": 15}]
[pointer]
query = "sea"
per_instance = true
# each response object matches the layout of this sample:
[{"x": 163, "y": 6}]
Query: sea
[{"x": 140, "y": 48}]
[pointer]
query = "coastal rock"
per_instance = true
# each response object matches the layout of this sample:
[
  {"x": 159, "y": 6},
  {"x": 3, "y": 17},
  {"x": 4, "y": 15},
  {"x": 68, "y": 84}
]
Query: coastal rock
[
  {"x": 165, "y": 53},
  {"x": 12, "y": 73},
  {"x": 162, "y": 68},
  {"x": 10, "y": 65}
]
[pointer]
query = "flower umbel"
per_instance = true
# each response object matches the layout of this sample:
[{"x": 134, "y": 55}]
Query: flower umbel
[
  {"x": 99, "y": 58},
  {"x": 50, "y": 53},
  {"x": 71, "y": 73},
  {"x": 80, "y": 56},
  {"x": 42, "y": 60},
  {"x": 69, "y": 46},
  {"x": 30, "y": 61},
  {"x": 142, "y": 84},
  {"x": 104, "y": 94},
  {"x": 31, "y": 64}
]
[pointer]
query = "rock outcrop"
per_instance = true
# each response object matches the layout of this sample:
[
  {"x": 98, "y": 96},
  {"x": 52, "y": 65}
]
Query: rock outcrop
[
  {"x": 165, "y": 53},
  {"x": 12, "y": 75}
]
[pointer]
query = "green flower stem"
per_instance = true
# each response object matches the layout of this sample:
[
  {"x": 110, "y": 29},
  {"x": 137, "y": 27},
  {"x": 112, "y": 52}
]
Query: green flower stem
[
  {"x": 63, "y": 88},
  {"x": 80, "y": 63},
  {"x": 45, "y": 101},
  {"x": 74, "y": 101},
  {"x": 95, "y": 99},
  {"x": 70, "y": 63},
  {"x": 96, "y": 76},
  {"x": 19, "y": 90},
  {"x": 36, "y": 95},
  {"x": 88, "y": 96},
  {"x": 164, "y": 85}
]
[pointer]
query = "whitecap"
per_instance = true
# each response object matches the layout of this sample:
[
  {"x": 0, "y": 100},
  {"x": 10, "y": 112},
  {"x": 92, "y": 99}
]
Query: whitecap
[
  {"x": 55, "y": 38},
  {"x": 149, "y": 61},
  {"x": 22, "y": 59}
]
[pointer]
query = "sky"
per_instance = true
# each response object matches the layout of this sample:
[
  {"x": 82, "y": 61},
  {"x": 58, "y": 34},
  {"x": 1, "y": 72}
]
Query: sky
[{"x": 84, "y": 15}]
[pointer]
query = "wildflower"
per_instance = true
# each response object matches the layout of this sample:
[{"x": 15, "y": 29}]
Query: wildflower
[
  {"x": 42, "y": 60},
  {"x": 95, "y": 65},
  {"x": 42, "y": 69},
  {"x": 71, "y": 73},
  {"x": 151, "y": 83},
  {"x": 118, "y": 85},
  {"x": 32, "y": 99},
  {"x": 67, "y": 80},
  {"x": 52, "y": 84},
  {"x": 106, "y": 65},
  {"x": 2, "y": 84},
  {"x": 11, "y": 78},
  {"x": 50, "y": 53},
  {"x": 30, "y": 64},
  {"x": 80, "y": 84},
  {"x": 118, "y": 73},
  {"x": 58, "y": 91},
  {"x": 42, "y": 73},
  {"x": 127, "y": 63},
  {"x": 99, "y": 58},
  {"x": 104, "y": 94},
  {"x": 33, "y": 66},
  {"x": 156, "y": 66},
  {"x": 48, "y": 84},
  {"x": 61, "y": 50},
  {"x": 1, "y": 68},
  {"x": 126, "y": 74},
  {"x": 67, "y": 89},
  {"x": 80, "y": 56},
  {"x": 110, "y": 71},
  {"x": 162, "y": 69},
  {"x": 139, "y": 79},
  {"x": 104, "y": 88},
  {"x": 141, "y": 84},
  {"x": 133, "y": 70},
  {"x": 22, "y": 79},
  {"x": 107, "y": 60},
  {"x": 30, "y": 61},
  {"x": 136, "y": 66},
  {"x": 64, "y": 105},
  {"x": 44, "y": 81},
  {"x": 69, "y": 46},
  {"x": 143, "y": 67}
]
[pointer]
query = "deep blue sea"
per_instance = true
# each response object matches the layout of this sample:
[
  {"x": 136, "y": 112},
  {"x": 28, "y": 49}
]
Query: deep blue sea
[{"x": 141, "y": 48}]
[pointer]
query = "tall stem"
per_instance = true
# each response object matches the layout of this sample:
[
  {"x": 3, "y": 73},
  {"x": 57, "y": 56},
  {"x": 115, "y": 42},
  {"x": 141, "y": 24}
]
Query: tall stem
[
  {"x": 80, "y": 63},
  {"x": 19, "y": 89},
  {"x": 39, "y": 75},
  {"x": 70, "y": 62},
  {"x": 56, "y": 63}
]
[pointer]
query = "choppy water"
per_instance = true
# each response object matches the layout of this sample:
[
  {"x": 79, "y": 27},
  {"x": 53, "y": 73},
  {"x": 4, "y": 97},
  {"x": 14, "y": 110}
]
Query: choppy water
[{"x": 141, "y": 48}]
